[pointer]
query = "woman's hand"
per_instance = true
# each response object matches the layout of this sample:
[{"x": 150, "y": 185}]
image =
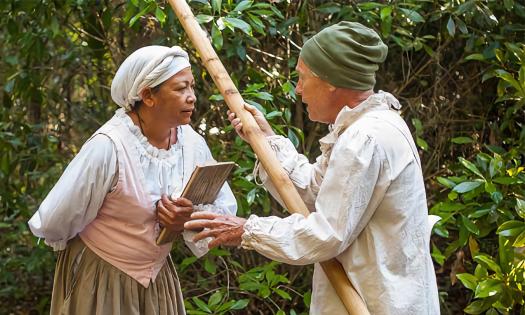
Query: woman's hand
[
  {"x": 174, "y": 213},
  {"x": 224, "y": 229},
  {"x": 259, "y": 119}
]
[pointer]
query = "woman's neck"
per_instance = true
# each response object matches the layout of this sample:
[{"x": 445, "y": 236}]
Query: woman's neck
[{"x": 158, "y": 135}]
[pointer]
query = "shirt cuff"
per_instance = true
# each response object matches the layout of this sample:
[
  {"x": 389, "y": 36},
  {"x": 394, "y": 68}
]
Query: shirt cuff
[
  {"x": 249, "y": 237},
  {"x": 57, "y": 245}
]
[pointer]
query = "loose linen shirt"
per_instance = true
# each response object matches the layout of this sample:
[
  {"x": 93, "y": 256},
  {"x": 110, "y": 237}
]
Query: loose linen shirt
[
  {"x": 79, "y": 193},
  {"x": 368, "y": 209}
]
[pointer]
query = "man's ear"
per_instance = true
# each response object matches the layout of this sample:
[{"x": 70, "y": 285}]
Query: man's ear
[
  {"x": 147, "y": 97},
  {"x": 331, "y": 88}
]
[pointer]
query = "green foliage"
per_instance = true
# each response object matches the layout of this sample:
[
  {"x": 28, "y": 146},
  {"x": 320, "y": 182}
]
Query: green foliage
[{"x": 458, "y": 67}]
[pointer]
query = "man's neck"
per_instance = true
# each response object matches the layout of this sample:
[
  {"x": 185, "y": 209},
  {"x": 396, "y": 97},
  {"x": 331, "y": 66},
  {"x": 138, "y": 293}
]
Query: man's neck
[{"x": 346, "y": 97}]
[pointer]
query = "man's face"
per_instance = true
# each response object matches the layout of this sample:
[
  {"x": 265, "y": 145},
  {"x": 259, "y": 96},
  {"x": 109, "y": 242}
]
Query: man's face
[{"x": 315, "y": 93}]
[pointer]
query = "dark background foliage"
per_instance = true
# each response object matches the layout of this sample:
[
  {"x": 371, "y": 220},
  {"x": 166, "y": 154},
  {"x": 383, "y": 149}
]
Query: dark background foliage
[{"x": 457, "y": 66}]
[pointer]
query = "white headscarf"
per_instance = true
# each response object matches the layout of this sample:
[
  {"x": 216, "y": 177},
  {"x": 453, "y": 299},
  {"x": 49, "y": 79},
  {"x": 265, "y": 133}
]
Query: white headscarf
[{"x": 147, "y": 67}]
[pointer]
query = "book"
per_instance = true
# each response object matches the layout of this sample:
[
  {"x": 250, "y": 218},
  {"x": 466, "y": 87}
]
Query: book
[{"x": 202, "y": 188}]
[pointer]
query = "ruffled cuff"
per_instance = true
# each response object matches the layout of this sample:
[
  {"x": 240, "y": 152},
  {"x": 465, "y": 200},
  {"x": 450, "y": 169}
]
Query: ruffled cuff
[
  {"x": 249, "y": 236},
  {"x": 56, "y": 245},
  {"x": 200, "y": 248}
]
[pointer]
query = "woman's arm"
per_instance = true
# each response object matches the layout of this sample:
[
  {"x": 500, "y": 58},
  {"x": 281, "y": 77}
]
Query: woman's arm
[{"x": 76, "y": 198}]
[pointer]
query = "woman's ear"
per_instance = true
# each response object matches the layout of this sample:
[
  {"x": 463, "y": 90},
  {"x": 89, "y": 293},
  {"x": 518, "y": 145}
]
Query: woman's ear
[{"x": 147, "y": 97}]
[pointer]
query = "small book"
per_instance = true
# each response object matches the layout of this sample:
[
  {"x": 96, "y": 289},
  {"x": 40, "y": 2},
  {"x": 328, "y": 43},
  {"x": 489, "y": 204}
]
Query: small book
[{"x": 205, "y": 183}]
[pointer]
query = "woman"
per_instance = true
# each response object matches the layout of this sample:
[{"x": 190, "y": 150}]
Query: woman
[{"x": 103, "y": 214}]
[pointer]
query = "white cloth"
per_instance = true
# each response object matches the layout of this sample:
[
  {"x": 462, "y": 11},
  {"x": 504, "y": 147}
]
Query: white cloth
[
  {"x": 146, "y": 67},
  {"x": 78, "y": 195},
  {"x": 367, "y": 198}
]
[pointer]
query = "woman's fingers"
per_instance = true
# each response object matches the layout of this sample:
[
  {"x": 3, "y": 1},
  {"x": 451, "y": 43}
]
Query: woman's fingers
[{"x": 183, "y": 202}]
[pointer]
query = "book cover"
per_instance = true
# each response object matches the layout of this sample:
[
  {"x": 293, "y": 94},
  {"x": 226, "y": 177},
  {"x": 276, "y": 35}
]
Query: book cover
[{"x": 205, "y": 183}]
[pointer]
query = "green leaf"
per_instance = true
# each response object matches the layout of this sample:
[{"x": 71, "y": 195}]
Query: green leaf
[
  {"x": 506, "y": 76},
  {"x": 210, "y": 266},
  {"x": 462, "y": 140},
  {"x": 412, "y": 15},
  {"x": 293, "y": 138},
  {"x": 477, "y": 307},
  {"x": 445, "y": 182},
  {"x": 283, "y": 294},
  {"x": 437, "y": 255},
  {"x": 160, "y": 15},
  {"x": 140, "y": 14},
  {"x": 386, "y": 12},
  {"x": 273, "y": 114},
  {"x": 470, "y": 225},
  {"x": 489, "y": 187},
  {"x": 187, "y": 261},
  {"x": 468, "y": 280},
  {"x": 216, "y": 37},
  {"x": 466, "y": 187},
  {"x": 471, "y": 167},
  {"x": 216, "y": 5},
  {"x": 478, "y": 57},
  {"x": 240, "y": 304},
  {"x": 250, "y": 197},
  {"x": 422, "y": 143},
  {"x": 203, "y": 18},
  {"x": 489, "y": 287},
  {"x": 201, "y": 305},
  {"x": 488, "y": 262},
  {"x": 451, "y": 27},
  {"x": 240, "y": 24},
  {"x": 520, "y": 207},
  {"x": 215, "y": 299},
  {"x": 243, "y": 5},
  {"x": 520, "y": 240}
]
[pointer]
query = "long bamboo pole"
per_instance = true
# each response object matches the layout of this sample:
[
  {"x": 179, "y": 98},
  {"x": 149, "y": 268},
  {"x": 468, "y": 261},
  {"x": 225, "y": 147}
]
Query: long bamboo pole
[{"x": 293, "y": 202}]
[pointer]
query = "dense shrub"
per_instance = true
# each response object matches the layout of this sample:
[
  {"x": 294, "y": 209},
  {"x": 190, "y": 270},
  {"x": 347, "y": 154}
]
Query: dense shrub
[{"x": 458, "y": 67}]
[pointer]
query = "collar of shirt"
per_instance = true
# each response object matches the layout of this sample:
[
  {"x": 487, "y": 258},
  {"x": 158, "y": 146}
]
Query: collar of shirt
[{"x": 378, "y": 101}]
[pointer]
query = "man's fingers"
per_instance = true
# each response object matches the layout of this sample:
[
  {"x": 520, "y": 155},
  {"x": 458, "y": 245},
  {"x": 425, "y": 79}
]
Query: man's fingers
[
  {"x": 204, "y": 215},
  {"x": 201, "y": 224},
  {"x": 252, "y": 109},
  {"x": 214, "y": 233}
]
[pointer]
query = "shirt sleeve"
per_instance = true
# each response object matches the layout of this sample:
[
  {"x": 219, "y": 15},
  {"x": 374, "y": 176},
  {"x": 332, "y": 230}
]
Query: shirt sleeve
[
  {"x": 306, "y": 177},
  {"x": 75, "y": 199},
  {"x": 345, "y": 203}
]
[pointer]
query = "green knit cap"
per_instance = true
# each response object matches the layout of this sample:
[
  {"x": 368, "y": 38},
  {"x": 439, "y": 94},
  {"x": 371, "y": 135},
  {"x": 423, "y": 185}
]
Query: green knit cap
[{"x": 345, "y": 55}]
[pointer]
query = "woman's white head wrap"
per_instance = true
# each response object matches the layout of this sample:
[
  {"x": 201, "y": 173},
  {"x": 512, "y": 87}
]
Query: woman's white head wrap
[{"x": 147, "y": 67}]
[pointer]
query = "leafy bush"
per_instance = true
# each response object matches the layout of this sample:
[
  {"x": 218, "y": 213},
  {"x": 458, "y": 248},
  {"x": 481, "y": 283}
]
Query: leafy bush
[{"x": 458, "y": 67}]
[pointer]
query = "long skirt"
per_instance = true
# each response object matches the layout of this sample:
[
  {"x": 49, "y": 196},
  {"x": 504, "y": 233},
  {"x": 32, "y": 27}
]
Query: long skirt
[{"x": 85, "y": 284}]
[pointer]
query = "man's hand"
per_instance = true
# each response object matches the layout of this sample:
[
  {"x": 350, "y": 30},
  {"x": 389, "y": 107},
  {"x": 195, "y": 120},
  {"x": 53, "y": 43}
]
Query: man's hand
[
  {"x": 224, "y": 229},
  {"x": 174, "y": 213},
  {"x": 259, "y": 118}
]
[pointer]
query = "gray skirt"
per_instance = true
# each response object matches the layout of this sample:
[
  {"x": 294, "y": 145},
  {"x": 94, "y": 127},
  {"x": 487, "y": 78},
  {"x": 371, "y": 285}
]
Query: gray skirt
[{"x": 85, "y": 284}]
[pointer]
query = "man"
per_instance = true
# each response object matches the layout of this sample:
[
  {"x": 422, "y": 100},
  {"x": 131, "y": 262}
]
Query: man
[{"x": 365, "y": 191}]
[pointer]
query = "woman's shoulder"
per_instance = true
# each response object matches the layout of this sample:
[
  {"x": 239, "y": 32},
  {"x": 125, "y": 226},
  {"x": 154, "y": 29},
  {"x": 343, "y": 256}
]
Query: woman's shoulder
[{"x": 191, "y": 136}]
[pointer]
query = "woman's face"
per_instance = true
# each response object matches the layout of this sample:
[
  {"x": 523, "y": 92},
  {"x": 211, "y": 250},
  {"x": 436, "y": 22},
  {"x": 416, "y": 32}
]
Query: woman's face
[{"x": 175, "y": 99}]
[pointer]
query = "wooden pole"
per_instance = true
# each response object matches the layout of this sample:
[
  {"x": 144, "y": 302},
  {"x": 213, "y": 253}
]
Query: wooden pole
[{"x": 293, "y": 202}]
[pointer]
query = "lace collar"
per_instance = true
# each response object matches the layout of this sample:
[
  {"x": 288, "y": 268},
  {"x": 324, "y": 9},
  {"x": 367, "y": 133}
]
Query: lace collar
[{"x": 142, "y": 141}]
